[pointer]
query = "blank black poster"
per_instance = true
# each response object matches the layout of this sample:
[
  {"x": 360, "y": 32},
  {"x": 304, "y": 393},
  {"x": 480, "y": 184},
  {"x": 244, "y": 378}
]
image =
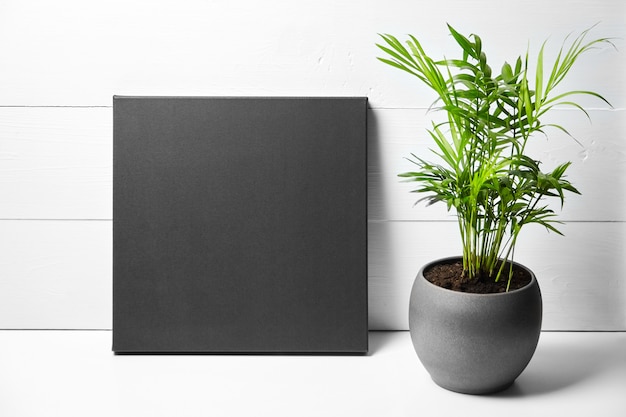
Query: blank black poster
[{"x": 239, "y": 225}]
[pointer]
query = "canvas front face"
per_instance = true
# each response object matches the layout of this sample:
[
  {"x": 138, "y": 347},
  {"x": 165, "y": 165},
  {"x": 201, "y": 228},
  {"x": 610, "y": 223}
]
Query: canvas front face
[{"x": 240, "y": 225}]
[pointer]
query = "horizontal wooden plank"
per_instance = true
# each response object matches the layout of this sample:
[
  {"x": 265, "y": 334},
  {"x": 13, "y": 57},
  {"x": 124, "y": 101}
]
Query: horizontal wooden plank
[
  {"x": 72, "y": 52},
  {"x": 57, "y": 274},
  {"x": 598, "y": 169},
  {"x": 57, "y": 163},
  {"x": 581, "y": 275}
]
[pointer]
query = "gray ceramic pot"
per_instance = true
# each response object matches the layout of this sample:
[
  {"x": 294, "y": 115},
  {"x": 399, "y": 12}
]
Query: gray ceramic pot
[{"x": 474, "y": 343}]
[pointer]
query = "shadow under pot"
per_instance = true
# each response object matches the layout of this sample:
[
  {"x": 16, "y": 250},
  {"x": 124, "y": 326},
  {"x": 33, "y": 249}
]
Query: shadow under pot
[{"x": 474, "y": 343}]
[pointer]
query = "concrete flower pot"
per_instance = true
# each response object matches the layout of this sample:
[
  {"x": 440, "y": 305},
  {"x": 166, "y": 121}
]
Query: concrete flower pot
[{"x": 474, "y": 343}]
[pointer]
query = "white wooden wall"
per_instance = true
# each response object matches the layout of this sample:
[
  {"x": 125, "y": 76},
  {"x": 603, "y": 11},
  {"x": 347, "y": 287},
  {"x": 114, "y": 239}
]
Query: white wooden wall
[{"x": 61, "y": 61}]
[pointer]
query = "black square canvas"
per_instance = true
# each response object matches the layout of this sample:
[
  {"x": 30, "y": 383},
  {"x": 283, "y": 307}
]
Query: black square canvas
[{"x": 239, "y": 225}]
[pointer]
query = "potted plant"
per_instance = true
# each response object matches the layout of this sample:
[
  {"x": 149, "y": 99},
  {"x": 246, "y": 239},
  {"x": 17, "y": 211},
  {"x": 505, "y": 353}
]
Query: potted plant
[{"x": 475, "y": 319}]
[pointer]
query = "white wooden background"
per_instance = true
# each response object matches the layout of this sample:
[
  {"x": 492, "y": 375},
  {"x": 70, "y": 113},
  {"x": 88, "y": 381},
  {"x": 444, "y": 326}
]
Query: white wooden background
[{"x": 61, "y": 61}]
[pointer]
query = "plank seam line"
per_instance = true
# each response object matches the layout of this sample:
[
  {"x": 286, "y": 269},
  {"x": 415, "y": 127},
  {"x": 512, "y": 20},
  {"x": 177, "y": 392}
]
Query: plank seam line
[
  {"x": 454, "y": 221},
  {"x": 54, "y": 220},
  {"x": 617, "y": 109}
]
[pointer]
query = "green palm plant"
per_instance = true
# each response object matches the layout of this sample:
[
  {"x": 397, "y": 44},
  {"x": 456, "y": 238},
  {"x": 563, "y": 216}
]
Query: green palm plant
[{"x": 483, "y": 172}]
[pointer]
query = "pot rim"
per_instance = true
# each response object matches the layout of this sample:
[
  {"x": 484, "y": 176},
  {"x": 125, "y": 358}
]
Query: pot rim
[{"x": 527, "y": 287}]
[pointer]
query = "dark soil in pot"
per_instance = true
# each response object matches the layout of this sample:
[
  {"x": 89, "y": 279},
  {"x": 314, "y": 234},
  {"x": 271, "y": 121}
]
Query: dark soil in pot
[{"x": 450, "y": 276}]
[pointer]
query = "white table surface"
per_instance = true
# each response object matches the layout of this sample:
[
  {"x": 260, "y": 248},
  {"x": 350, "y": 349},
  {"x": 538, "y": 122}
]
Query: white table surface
[{"x": 74, "y": 373}]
